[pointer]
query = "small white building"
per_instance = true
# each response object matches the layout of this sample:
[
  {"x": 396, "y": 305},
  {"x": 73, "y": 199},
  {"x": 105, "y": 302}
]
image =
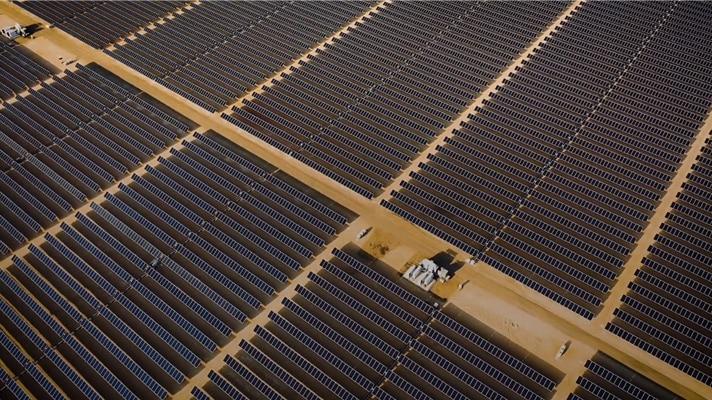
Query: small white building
[
  {"x": 11, "y": 32},
  {"x": 425, "y": 273}
]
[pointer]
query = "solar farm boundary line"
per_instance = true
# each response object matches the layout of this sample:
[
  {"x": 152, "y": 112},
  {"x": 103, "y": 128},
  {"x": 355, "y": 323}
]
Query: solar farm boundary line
[{"x": 478, "y": 101}]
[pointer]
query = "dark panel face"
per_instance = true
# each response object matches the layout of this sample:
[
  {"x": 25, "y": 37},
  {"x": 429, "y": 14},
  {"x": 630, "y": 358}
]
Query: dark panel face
[
  {"x": 19, "y": 71},
  {"x": 605, "y": 376}
]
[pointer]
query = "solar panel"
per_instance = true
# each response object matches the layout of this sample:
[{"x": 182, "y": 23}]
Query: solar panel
[
  {"x": 29, "y": 221},
  {"x": 230, "y": 286},
  {"x": 237, "y": 268},
  {"x": 371, "y": 294},
  {"x": 407, "y": 387},
  {"x": 304, "y": 364},
  {"x": 288, "y": 222},
  {"x": 277, "y": 370},
  {"x": 337, "y": 338},
  {"x": 497, "y": 352},
  {"x": 272, "y": 231},
  {"x": 456, "y": 371},
  {"x": 382, "y": 280},
  {"x": 245, "y": 252},
  {"x": 347, "y": 321},
  {"x": 252, "y": 379},
  {"x": 109, "y": 345},
  {"x": 200, "y": 395},
  {"x": 113, "y": 145},
  {"x": 265, "y": 245},
  {"x": 491, "y": 370},
  {"x": 209, "y": 344},
  {"x": 320, "y": 350},
  {"x": 49, "y": 388},
  {"x": 360, "y": 308}
]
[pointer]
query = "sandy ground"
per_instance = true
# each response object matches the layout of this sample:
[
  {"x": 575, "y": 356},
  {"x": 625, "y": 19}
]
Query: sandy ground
[{"x": 522, "y": 315}]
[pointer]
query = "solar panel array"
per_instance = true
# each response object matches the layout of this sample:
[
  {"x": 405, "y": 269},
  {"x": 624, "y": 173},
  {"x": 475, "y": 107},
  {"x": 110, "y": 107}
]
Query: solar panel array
[
  {"x": 354, "y": 332},
  {"x": 552, "y": 180},
  {"x": 667, "y": 310},
  {"x": 361, "y": 108},
  {"x": 129, "y": 299},
  {"x": 17, "y": 71},
  {"x": 100, "y": 23},
  {"x": 68, "y": 140},
  {"x": 215, "y": 51},
  {"x": 606, "y": 378}
]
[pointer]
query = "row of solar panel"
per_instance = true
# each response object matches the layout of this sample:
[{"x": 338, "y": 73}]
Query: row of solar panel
[
  {"x": 99, "y": 308},
  {"x": 607, "y": 378},
  {"x": 231, "y": 171},
  {"x": 80, "y": 19},
  {"x": 18, "y": 71}
]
